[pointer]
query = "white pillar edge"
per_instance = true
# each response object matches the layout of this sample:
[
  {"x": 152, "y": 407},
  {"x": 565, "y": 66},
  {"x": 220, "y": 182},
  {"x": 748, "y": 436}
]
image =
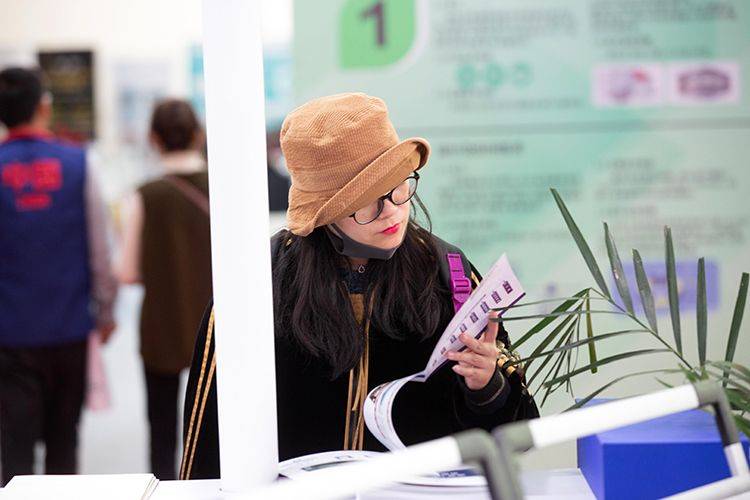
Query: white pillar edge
[{"x": 238, "y": 186}]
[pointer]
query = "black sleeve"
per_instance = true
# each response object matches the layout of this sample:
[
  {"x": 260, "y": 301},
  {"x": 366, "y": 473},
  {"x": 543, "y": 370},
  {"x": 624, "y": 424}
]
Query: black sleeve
[{"x": 200, "y": 435}]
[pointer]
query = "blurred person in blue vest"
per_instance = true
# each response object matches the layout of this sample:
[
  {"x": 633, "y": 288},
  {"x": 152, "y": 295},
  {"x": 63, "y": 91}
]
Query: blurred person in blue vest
[
  {"x": 166, "y": 246},
  {"x": 56, "y": 287}
]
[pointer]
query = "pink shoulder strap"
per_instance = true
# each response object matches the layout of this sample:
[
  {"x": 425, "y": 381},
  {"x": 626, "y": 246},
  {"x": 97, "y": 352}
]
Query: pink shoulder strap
[{"x": 460, "y": 284}]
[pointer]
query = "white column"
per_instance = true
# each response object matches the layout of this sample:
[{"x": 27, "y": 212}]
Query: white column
[{"x": 235, "y": 123}]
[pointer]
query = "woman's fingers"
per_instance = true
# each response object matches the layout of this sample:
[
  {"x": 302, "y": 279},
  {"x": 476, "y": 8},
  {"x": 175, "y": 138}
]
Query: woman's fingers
[
  {"x": 483, "y": 348},
  {"x": 471, "y": 358},
  {"x": 465, "y": 371},
  {"x": 490, "y": 334}
]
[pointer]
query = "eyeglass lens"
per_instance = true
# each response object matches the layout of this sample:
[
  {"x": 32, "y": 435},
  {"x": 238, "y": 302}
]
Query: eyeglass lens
[{"x": 398, "y": 196}]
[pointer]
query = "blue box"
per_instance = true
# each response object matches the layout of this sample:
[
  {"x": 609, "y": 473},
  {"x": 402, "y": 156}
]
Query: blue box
[{"x": 654, "y": 459}]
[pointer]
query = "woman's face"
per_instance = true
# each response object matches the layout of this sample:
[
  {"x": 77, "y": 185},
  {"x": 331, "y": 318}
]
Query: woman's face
[{"x": 387, "y": 231}]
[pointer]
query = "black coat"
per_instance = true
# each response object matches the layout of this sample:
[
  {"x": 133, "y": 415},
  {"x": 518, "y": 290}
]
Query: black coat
[{"x": 311, "y": 407}]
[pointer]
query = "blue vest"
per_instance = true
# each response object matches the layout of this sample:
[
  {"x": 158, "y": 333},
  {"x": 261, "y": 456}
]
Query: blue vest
[{"x": 44, "y": 256}]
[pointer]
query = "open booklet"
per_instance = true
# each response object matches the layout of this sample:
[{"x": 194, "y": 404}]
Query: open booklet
[
  {"x": 466, "y": 483},
  {"x": 499, "y": 288}
]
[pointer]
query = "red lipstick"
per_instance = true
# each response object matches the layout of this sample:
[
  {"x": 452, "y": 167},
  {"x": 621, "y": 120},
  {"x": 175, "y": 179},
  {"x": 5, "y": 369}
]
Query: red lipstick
[{"x": 391, "y": 230}]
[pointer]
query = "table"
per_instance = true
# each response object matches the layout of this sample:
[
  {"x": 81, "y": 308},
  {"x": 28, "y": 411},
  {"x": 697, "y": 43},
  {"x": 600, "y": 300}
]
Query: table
[{"x": 563, "y": 484}]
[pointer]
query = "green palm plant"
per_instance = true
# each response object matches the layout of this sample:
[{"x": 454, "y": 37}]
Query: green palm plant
[{"x": 554, "y": 362}]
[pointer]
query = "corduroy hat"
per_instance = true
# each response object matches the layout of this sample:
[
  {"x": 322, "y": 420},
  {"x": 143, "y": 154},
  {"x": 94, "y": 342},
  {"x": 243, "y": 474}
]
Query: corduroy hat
[{"x": 343, "y": 153}]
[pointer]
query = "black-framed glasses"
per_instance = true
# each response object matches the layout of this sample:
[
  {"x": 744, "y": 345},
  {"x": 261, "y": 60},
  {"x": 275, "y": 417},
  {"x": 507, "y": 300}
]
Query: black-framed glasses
[{"x": 398, "y": 196}]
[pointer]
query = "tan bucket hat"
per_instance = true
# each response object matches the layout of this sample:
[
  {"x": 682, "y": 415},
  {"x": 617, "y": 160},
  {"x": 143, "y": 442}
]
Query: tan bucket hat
[{"x": 343, "y": 153}]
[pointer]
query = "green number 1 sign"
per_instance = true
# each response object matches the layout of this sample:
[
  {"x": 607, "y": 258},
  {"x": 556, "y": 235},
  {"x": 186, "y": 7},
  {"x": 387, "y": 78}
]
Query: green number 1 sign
[{"x": 375, "y": 32}]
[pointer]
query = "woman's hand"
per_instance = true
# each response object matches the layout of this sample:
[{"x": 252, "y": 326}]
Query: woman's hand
[{"x": 478, "y": 361}]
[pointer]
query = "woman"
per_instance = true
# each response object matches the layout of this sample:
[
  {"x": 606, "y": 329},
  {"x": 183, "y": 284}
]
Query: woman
[
  {"x": 360, "y": 299},
  {"x": 166, "y": 247}
]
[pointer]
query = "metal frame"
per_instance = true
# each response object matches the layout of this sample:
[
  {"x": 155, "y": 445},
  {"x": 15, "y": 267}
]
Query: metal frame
[
  {"x": 522, "y": 436},
  {"x": 445, "y": 453},
  {"x": 495, "y": 453}
]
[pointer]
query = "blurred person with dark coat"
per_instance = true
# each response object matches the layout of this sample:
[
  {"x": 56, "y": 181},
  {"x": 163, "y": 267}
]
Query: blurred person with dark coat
[
  {"x": 166, "y": 247},
  {"x": 56, "y": 287},
  {"x": 278, "y": 177}
]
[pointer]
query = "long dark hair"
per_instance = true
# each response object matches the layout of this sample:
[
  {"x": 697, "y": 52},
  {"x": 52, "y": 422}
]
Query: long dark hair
[{"x": 312, "y": 305}]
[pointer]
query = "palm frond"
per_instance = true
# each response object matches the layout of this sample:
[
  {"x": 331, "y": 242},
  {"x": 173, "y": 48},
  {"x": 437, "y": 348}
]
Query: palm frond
[
  {"x": 605, "y": 361},
  {"x": 590, "y": 335},
  {"x": 701, "y": 311},
  {"x": 554, "y": 315},
  {"x": 583, "y": 401},
  {"x": 644, "y": 290},
  {"x": 617, "y": 271},
  {"x": 673, "y": 292},
  {"x": 583, "y": 247},
  {"x": 738, "y": 400},
  {"x": 743, "y": 424},
  {"x": 546, "y": 361},
  {"x": 559, "y": 364},
  {"x": 574, "y": 345},
  {"x": 739, "y": 311},
  {"x": 557, "y": 367},
  {"x": 547, "y": 319},
  {"x": 664, "y": 384},
  {"x": 732, "y": 369},
  {"x": 546, "y": 341}
]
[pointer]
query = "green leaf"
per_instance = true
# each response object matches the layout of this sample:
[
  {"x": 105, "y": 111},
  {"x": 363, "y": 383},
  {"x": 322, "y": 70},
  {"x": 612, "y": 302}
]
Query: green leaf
[
  {"x": 692, "y": 376},
  {"x": 583, "y": 247},
  {"x": 561, "y": 358},
  {"x": 554, "y": 368},
  {"x": 735, "y": 385},
  {"x": 548, "y": 389},
  {"x": 554, "y": 315},
  {"x": 668, "y": 386},
  {"x": 605, "y": 361},
  {"x": 644, "y": 290},
  {"x": 743, "y": 425},
  {"x": 739, "y": 402},
  {"x": 549, "y": 338},
  {"x": 579, "y": 343},
  {"x": 590, "y": 335},
  {"x": 519, "y": 305},
  {"x": 739, "y": 311},
  {"x": 674, "y": 295},
  {"x": 539, "y": 370},
  {"x": 617, "y": 271},
  {"x": 569, "y": 355},
  {"x": 701, "y": 311},
  {"x": 733, "y": 369},
  {"x": 606, "y": 386},
  {"x": 549, "y": 318}
]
